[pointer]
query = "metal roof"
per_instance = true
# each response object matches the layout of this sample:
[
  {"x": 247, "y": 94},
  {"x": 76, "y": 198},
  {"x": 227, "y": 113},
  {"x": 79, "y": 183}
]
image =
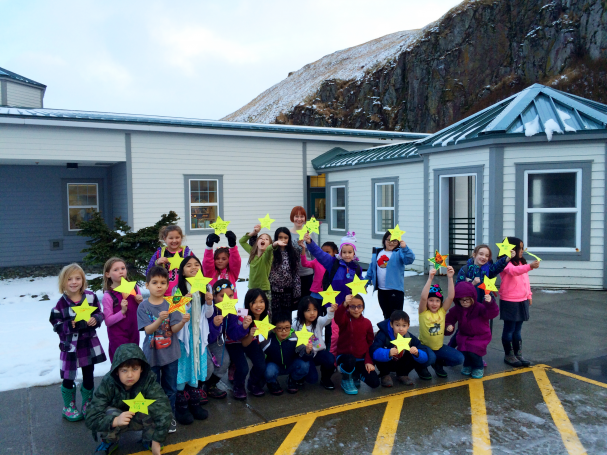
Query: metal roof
[
  {"x": 18, "y": 77},
  {"x": 87, "y": 116},
  {"x": 369, "y": 156}
]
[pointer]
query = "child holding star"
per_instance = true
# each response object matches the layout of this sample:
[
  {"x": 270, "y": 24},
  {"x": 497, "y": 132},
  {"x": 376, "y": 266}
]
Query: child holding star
[
  {"x": 78, "y": 342},
  {"x": 225, "y": 263},
  {"x": 260, "y": 259},
  {"x": 285, "y": 281}
]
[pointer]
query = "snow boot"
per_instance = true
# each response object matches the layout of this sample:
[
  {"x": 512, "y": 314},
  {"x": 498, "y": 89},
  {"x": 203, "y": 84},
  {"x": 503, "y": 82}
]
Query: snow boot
[
  {"x": 511, "y": 360},
  {"x": 194, "y": 405},
  {"x": 518, "y": 352},
  {"x": 292, "y": 386},
  {"x": 439, "y": 370},
  {"x": 274, "y": 388},
  {"x": 182, "y": 413},
  {"x": 87, "y": 396},
  {"x": 239, "y": 392},
  {"x": 423, "y": 373},
  {"x": 106, "y": 448},
  {"x": 347, "y": 384},
  {"x": 70, "y": 411}
]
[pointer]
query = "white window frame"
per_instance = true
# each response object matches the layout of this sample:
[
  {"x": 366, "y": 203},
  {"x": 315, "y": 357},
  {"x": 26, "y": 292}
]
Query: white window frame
[
  {"x": 377, "y": 209},
  {"x": 577, "y": 210},
  {"x": 334, "y": 208},
  {"x": 201, "y": 204},
  {"x": 96, "y": 206}
]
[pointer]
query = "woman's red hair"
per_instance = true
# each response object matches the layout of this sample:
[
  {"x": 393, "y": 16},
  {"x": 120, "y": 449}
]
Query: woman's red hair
[{"x": 299, "y": 210}]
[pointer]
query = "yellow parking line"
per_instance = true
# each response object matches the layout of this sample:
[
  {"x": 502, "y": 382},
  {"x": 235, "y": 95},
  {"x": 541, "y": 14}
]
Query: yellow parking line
[
  {"x": 389, "y": 424},
  {"x": 481, "y": 444},
  {"x": 562, "y": 422},
  {"x": 580, "y": 378},
  {"x": 295, "y": 436}
]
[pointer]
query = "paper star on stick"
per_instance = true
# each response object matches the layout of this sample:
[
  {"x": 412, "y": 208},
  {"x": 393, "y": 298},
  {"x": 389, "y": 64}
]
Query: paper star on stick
[
  {"x": 139, "y": 404},
  {"x": 227, "y": 306},
  {"x": 175, "y": 261},
  {"x": 313, "y": 225},
  {"x": 220, "y": 226},
  {"x": 199, "y": 282},
  {"x": 488, "y": 285},
  {"x": 401, "y": 343},
  {"x": 397, "y": 234},
  {"x": 266, "y": 221},
  {"x": 177, "y": 302},
  {"x": 264, "y": 326},
  {"x": 531, "y": 254},
  {"x": 303, "y": 231},
  {"x": 83, "y": 311},
  {"x": 505, "y": 247},
  {"x": 439, "y": 260},
  {"x": 329, "y": 295},
  {"x": 303, "y": 336},
  {"x": 126, "y": 288},
  {"x": 358, "y": 285}
]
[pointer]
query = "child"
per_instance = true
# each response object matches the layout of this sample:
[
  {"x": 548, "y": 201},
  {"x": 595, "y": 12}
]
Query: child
[
  {"x": 260, "y": 260},
  {"x": 433, "y": 309},
  {"x": 307, "y": 315},
  {"x": 78, "y": 342},
  {"x": 120, "y": 313},
  {"x": 161, "y": 346},
  {"x": 480, "y": 266},
  {"x": 386, "y": 354},
  {"x": 387, "y": 273},
  {"x": 474, "y": 334},
  {"x": 282, "y": 357},
  {"x": 225, "y": 263},
  {"x": 108, "y": 414},
  {"x": 284, "y": 273},
  {"x": 355, "y": 339},
  {"x": 515, "y": 298},
  {"x": 218, "y": 359},
  {"x": 193, "y": 339},
  {"x": 171, "y": 236},
  {"x": 242, "y": 342}
]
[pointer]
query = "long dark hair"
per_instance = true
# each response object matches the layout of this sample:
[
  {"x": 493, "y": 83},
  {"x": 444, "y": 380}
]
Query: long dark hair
[
  {"x": 251, "y": 296},
  {"x": 182, "y": 283},
  {"x": 517, "y": 248},
  {"x": 293, "y": 257},
  {"x": 303, "y": 307}
]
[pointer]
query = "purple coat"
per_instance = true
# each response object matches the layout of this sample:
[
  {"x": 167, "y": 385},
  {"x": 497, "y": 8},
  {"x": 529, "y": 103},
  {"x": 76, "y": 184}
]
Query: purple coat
[
  {"x": 124, "y": 330},
  {"x": 215, "y": 331},
  {"x": 474, "y": 334}
]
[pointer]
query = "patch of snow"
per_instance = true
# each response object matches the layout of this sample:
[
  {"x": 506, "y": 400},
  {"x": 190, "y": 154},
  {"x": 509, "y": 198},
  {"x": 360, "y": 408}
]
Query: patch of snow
[
  {"x": 564, "y": 117},
  {"x": 532, "y": 127},
  {"x": 553, "y": 291},
  {"x": 551, "y": 127}
]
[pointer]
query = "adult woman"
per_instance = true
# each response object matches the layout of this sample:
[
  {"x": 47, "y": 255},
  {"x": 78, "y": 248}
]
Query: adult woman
[{"x": 299, "y": 218}]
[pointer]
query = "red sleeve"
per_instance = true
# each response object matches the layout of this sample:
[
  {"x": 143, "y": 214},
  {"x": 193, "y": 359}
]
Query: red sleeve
[
  {"x": 341, "y": 315},
  {"x": 370, "y": 338}
]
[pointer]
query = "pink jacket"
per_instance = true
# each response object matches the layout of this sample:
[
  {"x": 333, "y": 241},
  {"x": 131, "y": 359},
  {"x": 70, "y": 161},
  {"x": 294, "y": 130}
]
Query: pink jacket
[
  {"x": 515, "y": 285},
  {"x": 231, "y": 273},
  {"x": 319, "y": 272}
]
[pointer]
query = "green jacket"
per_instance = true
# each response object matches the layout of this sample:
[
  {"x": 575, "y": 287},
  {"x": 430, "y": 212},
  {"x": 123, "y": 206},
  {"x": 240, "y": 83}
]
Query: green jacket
[
  {"x": 259, "y": 269},
  {"x": 111, "y": 392}
]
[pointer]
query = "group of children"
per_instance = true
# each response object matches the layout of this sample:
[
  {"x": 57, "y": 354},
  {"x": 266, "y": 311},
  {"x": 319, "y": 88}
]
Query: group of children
[{"x": 184, "y": 356}]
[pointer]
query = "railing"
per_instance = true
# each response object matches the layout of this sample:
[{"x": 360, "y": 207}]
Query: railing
[{"x": 461, "y": 235}]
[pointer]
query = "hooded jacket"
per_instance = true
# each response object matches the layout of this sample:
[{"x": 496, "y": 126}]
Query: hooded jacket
[
  {"x": 380, "y": 349},
  {"x": 111, "y": 393},
  {"x": 283, "y": 353},
  {"x": 395, "y": 270}
]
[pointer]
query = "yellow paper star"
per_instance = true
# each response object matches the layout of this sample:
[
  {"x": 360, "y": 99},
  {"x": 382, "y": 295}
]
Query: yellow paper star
[
  {"x": 358, "y": 285},
  {"x": 198, "y": 282},
  {"x": 329, "y": 295},
  {"x": 439, "y": 260},
  {"x": 264, "y": 326},
  {"x": 126, "y": 287},
  {"x": 177, "y": 302},
  {"x": 227, "y": 306},
  {"x": 303, "y": 336},
  {"x": 266, "y": 221},
  {"x": 488, "y": 285},
  {"x": 401, "y": 343},
  {"x": 139, "y": 404},
  {"x": 531, "y": 254},
  {"x": 313, "y": 225},
  {"x": 83, "y": 311},
  {"x": 397, "y": 234},
  {"x": 303, "y": 231},
  {"x": 175, "y": 261},
  {"x": 505, "y": 247},
  {"x": 220, "y": 226}
]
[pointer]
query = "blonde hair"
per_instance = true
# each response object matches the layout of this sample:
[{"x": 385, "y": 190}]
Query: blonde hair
[
  {"x": 107, "y": 281},
  {"x": 67, "y": 272},
  {"x": 255, "y": 248},
  {"x": 165, "y": 230}
]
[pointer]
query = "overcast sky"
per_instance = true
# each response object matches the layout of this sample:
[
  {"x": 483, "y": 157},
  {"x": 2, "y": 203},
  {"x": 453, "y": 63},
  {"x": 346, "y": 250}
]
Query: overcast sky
[{"x": 201, "y": 59}]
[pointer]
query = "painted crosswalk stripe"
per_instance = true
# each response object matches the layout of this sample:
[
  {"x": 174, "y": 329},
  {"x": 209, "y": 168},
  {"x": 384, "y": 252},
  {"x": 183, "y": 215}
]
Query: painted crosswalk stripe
[
  {"x": 481, "y": 444},
  {"x": 389, "y": 424}
]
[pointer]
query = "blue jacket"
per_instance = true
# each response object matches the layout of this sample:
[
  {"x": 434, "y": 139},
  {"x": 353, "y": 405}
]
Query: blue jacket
[
  {"x": 471, "y": 271},
  {"x": 380, "y": 349},
  {"x": 395, "y": 270},
  {"x": 282, "y": 353}
]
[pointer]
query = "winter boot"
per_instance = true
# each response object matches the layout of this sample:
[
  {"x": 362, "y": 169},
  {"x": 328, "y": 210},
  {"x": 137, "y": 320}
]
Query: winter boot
[
  {"x": 512, "y": 360},
  {"x": 439, "y": 370},
  {"x": 212, "y": 390},
  {"x": 292, "y": 386},
  {"x": 106, "y": 448},
  {"x": 204, "y": 398},
  {"x": 347, "y": 383},
  {"x": 182, "y": 413},
  {"x": 326, "y": 382},
  {"x": 70, "y": 411},
  {"x": 518, "y": 352},
  {"x": 423, "y": 373},
  {"x": 239, "y": 392},
  {"x": 274, "y": 388},
  {"x": 87, "y": 396},
  {"x": 194, "y": 404}
]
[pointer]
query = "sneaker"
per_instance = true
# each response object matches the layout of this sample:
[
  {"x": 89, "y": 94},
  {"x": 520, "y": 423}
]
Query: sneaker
[
  {"x": 215, "y": 392},
  {"x": 386, "y": 381},
  {"x": 439, "y": 370},
  {"x": 105, "y": 448},
  {"x": 173, "y": 427},
  {"x": 466, "y": 371},
  {"x": 405, "y": 380},
  {"x": 256, "y": 391},
  {"x": 510, "y": 359},
  {"x": 424, "y": 374},
  {"x": 239, "y": 392},
  {"x": 274, "y": 388},
  {"x": 327, "y": 383},
  {"x": 477, "y": 373},
  {"x": 292, "y": 386}
]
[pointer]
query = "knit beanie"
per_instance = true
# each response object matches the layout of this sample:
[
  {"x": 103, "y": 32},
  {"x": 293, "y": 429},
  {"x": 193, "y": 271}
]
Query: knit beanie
[
  {"x": 436, "y": 291},
  {"x": 349, "y": 239}
]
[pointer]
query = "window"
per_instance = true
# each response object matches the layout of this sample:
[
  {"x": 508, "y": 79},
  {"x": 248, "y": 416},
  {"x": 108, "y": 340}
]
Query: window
[
  {"x": 385, "y": 205},
  {"x": 82, "y": 202},
  {"x": 204, "y": 203},
  {"x": 317, "y": 181},
  {"x": 338, "y": 207}
]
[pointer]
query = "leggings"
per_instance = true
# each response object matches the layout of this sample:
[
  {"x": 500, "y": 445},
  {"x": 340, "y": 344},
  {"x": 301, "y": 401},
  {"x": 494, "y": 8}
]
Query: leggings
[
  {"x": 390, "y": 300},
  {"x": 87, "y": 382},
  {"x": 512, "y": 334}
]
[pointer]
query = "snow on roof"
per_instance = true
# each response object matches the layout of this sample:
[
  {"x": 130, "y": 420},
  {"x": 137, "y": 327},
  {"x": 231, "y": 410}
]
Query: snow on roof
[
  {"x": 368, "y": 156},
  {"x": 17, "y": 77}
]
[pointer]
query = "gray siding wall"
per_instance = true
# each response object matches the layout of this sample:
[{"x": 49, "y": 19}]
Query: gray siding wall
[
  {"x": 119, "y": 191},
  {"x": 23, "y": 95},
  {"x": 31, "y": 213}
]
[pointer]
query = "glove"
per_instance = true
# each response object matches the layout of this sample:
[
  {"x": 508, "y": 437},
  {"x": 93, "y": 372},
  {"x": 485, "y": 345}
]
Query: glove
[
  {"x": 231, "y": 239},
  {"x": 211, "y": 239}
]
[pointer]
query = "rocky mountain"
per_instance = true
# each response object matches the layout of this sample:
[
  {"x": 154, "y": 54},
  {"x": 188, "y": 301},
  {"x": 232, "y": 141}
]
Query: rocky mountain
[{"x": 423, "y": 80}]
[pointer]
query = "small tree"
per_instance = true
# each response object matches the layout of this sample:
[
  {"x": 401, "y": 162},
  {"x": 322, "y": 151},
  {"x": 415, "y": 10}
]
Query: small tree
[{"x": 136, "y": 248}]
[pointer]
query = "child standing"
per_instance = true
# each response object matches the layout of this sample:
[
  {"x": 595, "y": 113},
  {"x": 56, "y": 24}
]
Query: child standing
[
  {"x": 387, "y": 273},
  {"x": 225, "y": 263},
  {"x": 284, "y": 274},
  {"x": 120, "y": 313},
  {"x": 218, "y": 359},
  {"x": 78, "y": 342},
  {"x": 172, "y": 237},
  {"x": 474, "y": 334},
  {"x": 260, "y": 260},
  {"x": 161, "y": 346},
  {"x": 479, "y": 266},
  {"x": 515, "y": 298}
]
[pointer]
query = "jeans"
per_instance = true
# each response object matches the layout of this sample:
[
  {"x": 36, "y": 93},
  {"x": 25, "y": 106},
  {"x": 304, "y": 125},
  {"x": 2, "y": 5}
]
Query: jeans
[
  {"x": 390, "y": 300},
  {"x": 326, "y": 360},
  {"x": 405, "y": 364},
  {"x": 239, "y": 354},
  {"x": 512, "y": 334},
  {"x": 446, "y": 355},
  {"x": 472, "y": 360},
  {"x": 221, "y": 356},
  {"x": 167, "y": 377},
  {"x": 349, "y": 364},
  {"x": 297, "y": 370}
]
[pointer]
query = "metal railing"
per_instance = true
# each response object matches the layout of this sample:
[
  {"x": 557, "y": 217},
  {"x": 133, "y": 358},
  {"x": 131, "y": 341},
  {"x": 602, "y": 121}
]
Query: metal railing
[{"x": 461, "y": 235}]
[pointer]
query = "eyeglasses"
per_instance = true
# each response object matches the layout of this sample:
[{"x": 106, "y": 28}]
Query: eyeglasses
[
  {"x": 357, "y": 307},
  {"x": 283, "y": 329}
]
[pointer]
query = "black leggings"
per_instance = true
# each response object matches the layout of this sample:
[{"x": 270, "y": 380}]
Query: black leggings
[
  {"x": 390, "y": 300},
  {"x": 88, "y": 381},
  {"x": 306, "y": 283}
]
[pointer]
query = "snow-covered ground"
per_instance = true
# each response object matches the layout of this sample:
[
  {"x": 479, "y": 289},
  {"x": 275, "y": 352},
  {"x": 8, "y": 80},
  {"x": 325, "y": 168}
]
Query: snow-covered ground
[{"x": 30, "y": 356}]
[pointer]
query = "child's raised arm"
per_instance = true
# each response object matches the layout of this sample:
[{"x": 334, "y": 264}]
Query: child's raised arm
[
  {"x": 325, "y": 259},
  {"x": 423, "y": 300},
  {"x": 451, "y": 292},
  {"x": 244, "y": 243}
]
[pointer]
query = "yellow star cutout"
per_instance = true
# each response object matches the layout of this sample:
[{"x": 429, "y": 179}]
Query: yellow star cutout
[
  {"x": 303, "y": 231},
  {"x": 83, "y": 311},
  {"x": 263, "y": 327},
  {"x": 139, "y": 404},
  {"x": 439, "y": 260},
  {"x": 329, "y": 295},
  {"x": 401, "y": 343},
  {"x": 531, "y": 254},
  {"x": 175, "y": 261},
  {"x": 488, "y": 284},
  {"x": 505, "y": 247},
  {"x": 358, "y": 285},
  {"x": 126, "y": 288},
  {"x": 313, "y": 225},
  {"x": 303, "y": 336},
  {"x": 227, "y": 306},
  {"x": 266, "y": 221},
  {"x": 177, "y": 302},
  {"x": 397, "y": 234},
  {"x": 198, "y": 282},
  {"x": 220, "y": 226}
]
